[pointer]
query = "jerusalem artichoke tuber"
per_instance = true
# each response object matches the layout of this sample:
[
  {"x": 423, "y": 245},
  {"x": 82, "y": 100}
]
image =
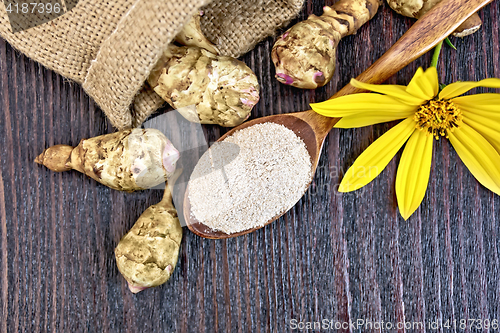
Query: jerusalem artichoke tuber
[
  {"x": 147, "y": 254},
  {"x": 304, "y": 56},
  {"x": 127, "y": 160},
  {"x": 417, "y": 8},
  {"x": 191, "y": 35},
  {"x": 222, "y": 89},
  {"x": 470, "y": 26}
]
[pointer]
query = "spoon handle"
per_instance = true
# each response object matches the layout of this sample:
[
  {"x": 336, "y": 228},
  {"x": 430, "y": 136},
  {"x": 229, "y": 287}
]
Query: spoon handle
[{"x": 427, "y": 32}]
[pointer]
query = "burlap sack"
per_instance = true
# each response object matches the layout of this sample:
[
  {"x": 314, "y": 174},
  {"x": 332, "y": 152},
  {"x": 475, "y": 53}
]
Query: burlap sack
[{"x": 111, "y": 46}]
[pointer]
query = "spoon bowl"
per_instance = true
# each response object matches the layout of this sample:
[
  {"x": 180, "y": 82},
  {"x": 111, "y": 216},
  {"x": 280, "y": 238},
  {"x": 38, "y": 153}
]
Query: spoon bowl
[{"x": 313, "y": 128}]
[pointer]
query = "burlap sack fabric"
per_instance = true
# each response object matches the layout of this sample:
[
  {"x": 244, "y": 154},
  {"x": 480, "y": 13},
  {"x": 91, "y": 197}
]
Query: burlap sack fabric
[{"x": 111, "y": 46}]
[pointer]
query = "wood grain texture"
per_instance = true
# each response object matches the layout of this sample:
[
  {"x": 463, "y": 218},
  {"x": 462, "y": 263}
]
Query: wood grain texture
[{"x": 334, "y": 256}]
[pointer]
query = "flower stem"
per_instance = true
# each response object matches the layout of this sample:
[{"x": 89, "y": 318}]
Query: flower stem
[{"x": 435, "y": 56}]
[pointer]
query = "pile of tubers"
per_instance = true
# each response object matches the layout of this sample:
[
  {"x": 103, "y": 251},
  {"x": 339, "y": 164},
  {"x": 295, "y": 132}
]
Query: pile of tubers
[
  {"x": 304, "y": 56},
  {"x": 223, "y": 91},
  {"x": 132, "y": 160}
]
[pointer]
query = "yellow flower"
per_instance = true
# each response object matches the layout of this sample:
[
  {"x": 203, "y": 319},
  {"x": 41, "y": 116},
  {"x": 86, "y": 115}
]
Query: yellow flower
[{"x": 471, "y": 123}]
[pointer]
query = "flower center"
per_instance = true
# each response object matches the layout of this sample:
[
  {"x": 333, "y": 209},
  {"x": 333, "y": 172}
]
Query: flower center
[{"x": 438, "y": 117}]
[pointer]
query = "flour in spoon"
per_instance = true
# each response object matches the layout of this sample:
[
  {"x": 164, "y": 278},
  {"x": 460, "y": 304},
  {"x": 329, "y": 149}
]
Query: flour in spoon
[{"x": 250, "y": 177}]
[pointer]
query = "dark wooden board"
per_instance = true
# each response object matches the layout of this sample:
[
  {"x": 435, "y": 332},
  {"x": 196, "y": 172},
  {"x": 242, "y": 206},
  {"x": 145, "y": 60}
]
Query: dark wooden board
[{"x": 339, "y": 257}]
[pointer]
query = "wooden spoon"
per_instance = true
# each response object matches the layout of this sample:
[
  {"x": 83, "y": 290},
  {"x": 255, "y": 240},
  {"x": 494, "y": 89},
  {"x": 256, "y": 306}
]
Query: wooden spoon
[{"x": 313, "y": 128}]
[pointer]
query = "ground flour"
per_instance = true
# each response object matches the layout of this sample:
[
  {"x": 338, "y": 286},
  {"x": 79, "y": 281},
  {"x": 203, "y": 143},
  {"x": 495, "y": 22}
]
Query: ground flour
[{"x": 253, "y": 175}]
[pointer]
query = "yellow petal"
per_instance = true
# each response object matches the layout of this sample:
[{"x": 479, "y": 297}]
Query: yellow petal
[
  {"x": 486, "y": 105},
  {"x": 370, "y": 118},
  {"x": 478, "y": 155},
  {"x": 396, "y": 91},
  {"x": 487, "y": 127},
  {"x": 493, "y": 116},
  {"x": 359, "y": 103},
  {"x": 458, "y": 88},
  {"x": 424, "y": 85},
  {"x": 376, "y": 157},
  {"x": 485, "y": 99},
  {"x": 413, "y": 172}
]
